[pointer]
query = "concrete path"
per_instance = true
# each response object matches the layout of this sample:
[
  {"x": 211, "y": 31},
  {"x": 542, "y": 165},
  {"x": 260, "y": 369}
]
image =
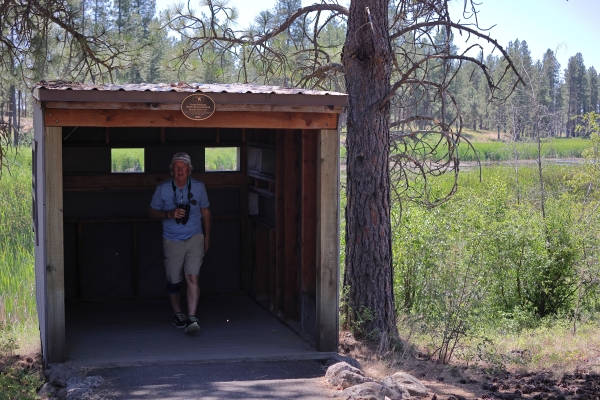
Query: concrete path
[{"x": 252, "y": 380}]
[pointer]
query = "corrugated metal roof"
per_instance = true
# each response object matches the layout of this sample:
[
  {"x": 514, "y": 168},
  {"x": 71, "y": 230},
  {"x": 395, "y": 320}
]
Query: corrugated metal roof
[{"x": 185, "y": 87}]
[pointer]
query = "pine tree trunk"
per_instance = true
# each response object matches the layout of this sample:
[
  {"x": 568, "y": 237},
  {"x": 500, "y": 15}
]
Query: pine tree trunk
[{"x": 367, "y": 60}]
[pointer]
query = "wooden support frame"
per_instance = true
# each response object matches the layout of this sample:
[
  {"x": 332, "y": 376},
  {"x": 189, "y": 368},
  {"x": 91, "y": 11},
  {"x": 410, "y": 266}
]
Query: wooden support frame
[
  {"x": 328, "y": 240},
  {"x": 177, "y": 107},
  {"x": 174, "y": 119},
  {"x": 300, "y": 258},
  {"x": 55, "y": 263}
]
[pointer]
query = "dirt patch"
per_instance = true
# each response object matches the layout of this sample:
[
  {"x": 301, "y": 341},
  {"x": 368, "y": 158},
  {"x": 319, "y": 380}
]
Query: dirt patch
[
  {"x": 456, "y": 382},
  {"x": 29, "y": 362}
]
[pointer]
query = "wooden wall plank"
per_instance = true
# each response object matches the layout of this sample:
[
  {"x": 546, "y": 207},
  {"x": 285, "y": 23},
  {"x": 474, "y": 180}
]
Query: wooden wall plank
[
  {"x": 272, "y": 267},
  {"x": 328, "y": 241},
  {"x": 308, "y": 278},
  {"x": 170, "y": 118},
  {"x": 176, "y": 106},
  {"x": 146, "y": 181},
  {"x": 55, "y": 285},
  {"x": 293, "y": 181},
  {"x": 262, "y": 263}
]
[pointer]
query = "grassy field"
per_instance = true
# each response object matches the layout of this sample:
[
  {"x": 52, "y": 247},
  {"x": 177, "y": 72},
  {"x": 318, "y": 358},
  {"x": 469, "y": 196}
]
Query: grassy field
[
  {"x": 506, "y": 151},
  {"x": 488, "y": 148}
]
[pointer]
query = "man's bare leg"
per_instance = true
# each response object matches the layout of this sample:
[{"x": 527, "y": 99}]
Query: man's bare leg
[{"x": 193, "y": 293}]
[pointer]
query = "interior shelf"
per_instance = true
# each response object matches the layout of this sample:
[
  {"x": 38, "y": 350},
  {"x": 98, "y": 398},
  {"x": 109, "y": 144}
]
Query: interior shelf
[{"x": 263, "y": 192}]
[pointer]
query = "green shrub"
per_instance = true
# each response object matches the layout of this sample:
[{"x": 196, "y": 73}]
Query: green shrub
[{"x": 490, "y": 258}]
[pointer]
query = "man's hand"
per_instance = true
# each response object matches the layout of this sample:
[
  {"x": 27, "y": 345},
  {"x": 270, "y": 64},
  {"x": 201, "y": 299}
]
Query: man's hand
[
  {"x": 177, "y": 213},
  {"x": 206, "y": 243}
]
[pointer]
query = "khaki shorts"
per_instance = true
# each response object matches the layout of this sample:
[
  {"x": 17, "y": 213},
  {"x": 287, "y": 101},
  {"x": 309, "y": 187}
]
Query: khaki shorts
[{"x": 186, "y": 255}]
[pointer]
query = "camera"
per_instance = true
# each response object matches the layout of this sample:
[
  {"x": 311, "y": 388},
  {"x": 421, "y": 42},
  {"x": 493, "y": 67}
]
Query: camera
[{"x": 183, "y": 220}]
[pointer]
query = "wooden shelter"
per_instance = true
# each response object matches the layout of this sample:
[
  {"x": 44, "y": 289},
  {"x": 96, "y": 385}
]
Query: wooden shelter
[{"x": 275, "y": 234}]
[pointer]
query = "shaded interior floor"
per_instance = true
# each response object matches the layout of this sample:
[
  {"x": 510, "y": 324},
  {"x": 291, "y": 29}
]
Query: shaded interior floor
[{"x": 134, "y": 332}]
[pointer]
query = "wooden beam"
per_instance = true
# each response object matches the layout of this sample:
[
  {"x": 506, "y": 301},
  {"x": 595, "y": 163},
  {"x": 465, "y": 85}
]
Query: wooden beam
[
  {"x": 176, "y": 119},
  {"x": 55, "y": 263},
  {"x": 309, "y": 212},
  {"x": 146, "y": 181},
  {"x": 293, "y": 181},
  {"x": 328, "y": 240},
  {"x": 71, "y": 105}
]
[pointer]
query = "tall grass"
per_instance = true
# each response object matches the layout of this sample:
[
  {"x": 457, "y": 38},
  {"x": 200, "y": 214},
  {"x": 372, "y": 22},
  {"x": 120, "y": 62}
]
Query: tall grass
[
  {"x": 505, "y": 151},
  {"x": 127, "y": 160},
  {"x": 17, "y": 275},
  {"x": 221, "y": 159}
]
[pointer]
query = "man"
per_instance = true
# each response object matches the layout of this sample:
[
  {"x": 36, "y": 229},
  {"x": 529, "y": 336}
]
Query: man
[{"x": 182, "y": 205}]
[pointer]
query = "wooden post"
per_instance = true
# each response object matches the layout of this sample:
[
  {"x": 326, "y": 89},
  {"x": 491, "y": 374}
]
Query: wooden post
[
  {"x": 293, "y": 182},
  {"x": 308, "y": 248},
  {"x": 328, "y": 240},
  {"x": 55, "y": 263}
]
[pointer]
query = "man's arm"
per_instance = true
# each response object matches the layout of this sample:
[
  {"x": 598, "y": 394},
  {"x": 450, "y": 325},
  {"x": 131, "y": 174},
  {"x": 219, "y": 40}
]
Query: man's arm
[{"x": 206, "y": 226}]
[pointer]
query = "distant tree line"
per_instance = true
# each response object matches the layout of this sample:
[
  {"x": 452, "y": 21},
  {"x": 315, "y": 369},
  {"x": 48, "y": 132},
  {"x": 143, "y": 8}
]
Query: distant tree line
[
  {"x": 124, "y": 41},
  {"x": 552, "y": 103}
]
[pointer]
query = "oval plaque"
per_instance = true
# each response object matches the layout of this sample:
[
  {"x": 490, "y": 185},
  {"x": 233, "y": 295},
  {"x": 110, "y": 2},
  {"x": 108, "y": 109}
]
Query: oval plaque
[{"x": 198, "y": 107}]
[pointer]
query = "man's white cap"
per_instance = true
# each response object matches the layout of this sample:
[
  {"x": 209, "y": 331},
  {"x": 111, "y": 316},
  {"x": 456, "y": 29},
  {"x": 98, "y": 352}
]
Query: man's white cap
[{"x": 181, "y": 156}]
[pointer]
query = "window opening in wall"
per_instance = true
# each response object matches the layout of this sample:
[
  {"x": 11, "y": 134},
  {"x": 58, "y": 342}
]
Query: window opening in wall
[
  {"x": 127, "y": 160},
  {"x": 221, "y": 159}
]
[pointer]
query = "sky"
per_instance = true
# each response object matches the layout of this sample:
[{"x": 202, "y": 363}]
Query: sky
[{"x": 565, "y": 26}]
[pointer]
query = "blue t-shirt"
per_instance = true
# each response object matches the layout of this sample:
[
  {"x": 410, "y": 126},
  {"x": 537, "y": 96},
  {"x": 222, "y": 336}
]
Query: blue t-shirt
[{"x": 165, "y": 199}]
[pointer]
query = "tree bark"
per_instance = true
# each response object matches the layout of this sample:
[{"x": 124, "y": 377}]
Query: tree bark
[{"x": 367, "y": 59}]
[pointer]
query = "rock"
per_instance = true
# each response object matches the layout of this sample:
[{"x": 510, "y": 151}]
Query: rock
[
  {"x": 347, "y": 359},
  {"x": 402, "y": 392},
  {"x": 61, "y": 394},
  {"x": 82, "y": 390},
  {"x": 94, "y": 381},
  {"x": 370, "y": 391},
  {"x": 61, "y": 374},
  {"x": 47, "y": 390},
  {"x": 402, "y": 380},
  {"x": 65, "y": 382},
  {"x": 344, "y": 375},
  {"x": 79, "y": 393}
]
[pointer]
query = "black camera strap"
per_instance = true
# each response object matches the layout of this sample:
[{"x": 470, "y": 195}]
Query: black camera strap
[{"x": 189, "y": 188}]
